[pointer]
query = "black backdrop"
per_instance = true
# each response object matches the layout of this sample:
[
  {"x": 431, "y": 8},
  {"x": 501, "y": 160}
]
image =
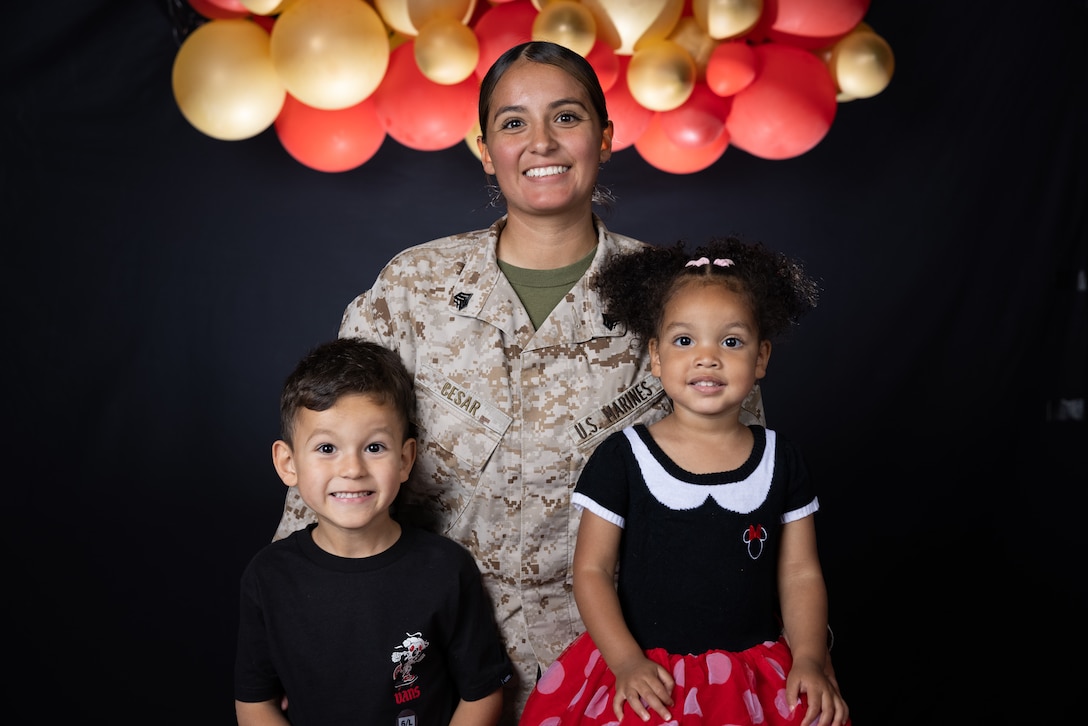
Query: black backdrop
[{"x": 159, "y": 284}]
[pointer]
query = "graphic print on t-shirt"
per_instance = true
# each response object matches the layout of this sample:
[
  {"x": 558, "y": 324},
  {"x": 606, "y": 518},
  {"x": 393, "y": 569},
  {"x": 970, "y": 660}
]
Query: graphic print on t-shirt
[{"x": 408, "y": 653}]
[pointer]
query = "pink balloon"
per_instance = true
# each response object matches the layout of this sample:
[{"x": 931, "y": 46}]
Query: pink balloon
[
  {"x": 331, "y": 141},
  {"x": 502, "y": 27},
  {"x": 419, "y": 113},
  {"x": 698, "y": 121},
  {"x": 662, "y": 152},
  {"x": 788, "y": 108},
  {"x": 629, "y": 117}
]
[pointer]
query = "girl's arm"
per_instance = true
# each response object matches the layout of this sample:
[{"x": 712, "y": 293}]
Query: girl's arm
[
  {"x": 803, "y": 599},
  {"x": 638, "y": 678},
  {"x": 484, "y": 712}
]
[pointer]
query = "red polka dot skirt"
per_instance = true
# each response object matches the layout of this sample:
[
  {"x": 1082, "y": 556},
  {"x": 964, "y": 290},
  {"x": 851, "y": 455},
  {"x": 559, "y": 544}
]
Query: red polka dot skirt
[{"x": 717, "y": 688}]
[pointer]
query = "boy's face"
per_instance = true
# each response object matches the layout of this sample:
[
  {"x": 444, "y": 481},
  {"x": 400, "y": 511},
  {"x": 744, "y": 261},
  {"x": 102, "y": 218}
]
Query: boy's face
[{"x": 348, "y": 461}]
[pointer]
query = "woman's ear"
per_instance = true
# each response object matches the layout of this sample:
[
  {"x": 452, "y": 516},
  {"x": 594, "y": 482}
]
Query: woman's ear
[
  {"x": 606, "y": 141},
  {"x": 485, "y": 156},
  {"x": 284, "y": 461}
]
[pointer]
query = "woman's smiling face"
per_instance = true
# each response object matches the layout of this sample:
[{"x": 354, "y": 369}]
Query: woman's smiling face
[{"x": 544, "y": 143}]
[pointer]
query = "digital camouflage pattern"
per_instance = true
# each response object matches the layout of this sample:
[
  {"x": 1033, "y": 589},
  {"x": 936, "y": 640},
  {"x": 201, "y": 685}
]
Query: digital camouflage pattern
[{"x": 507, "y": 417}]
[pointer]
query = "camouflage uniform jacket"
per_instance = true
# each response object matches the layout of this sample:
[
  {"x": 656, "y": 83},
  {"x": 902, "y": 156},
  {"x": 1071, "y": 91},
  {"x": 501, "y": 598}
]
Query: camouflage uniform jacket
[{"x": 506, "y": 418}]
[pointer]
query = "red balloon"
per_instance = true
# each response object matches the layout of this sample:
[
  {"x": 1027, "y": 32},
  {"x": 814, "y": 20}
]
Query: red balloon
[
  {"x": 815, "y": 18},
  {"x": 809, "y": 24},
  {"x": 730, "y": 68},
  {"x": 215, "y": 11},
  {"x": 605, "y": 62},
  {"x": 502, "y": 27},
  {"x": 330, "y": 140},
  {"x": 788, "y": 108},
  {"x": 698, "y": 121},
  {"x": 265, "y": 21},
  {"x": 660, "y": 151},
  {"x": 629, "y": 117},
  {"x": 419, "y": 113}
]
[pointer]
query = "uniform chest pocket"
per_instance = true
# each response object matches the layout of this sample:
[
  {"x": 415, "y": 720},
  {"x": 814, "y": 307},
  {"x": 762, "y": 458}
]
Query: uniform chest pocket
[{"x": 457, "y": 421}]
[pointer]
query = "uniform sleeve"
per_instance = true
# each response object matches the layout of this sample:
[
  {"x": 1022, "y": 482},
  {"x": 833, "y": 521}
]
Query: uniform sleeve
[
  {"x": 255, "y": 678},
  {"x": 367, "y": 316},
  {"x": 603, "y": 486},
  {"x": 478, "y": 660}
]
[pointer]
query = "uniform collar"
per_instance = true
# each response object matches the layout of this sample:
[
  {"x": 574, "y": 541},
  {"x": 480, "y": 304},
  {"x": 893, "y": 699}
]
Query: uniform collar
[{"x": 483, "y": 292}]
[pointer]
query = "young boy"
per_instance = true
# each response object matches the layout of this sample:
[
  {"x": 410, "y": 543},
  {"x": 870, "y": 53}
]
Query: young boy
[{"x": 358, "y": 619}]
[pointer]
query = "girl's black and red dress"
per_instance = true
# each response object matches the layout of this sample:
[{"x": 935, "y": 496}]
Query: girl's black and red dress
[{"x": 697, "y": 584}]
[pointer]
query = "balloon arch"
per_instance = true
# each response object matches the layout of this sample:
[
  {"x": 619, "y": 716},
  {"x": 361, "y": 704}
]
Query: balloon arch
[{"x": 684, "y": 79}]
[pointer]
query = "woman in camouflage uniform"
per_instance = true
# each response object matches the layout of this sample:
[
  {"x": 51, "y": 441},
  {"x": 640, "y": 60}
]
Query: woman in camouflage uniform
[{"x": 518, "y": 375}]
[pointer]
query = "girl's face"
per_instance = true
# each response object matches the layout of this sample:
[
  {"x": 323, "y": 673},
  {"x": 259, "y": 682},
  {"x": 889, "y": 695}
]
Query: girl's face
[
  {"x": 544, "y": 144},
  {"x": 707, "y": 352}
]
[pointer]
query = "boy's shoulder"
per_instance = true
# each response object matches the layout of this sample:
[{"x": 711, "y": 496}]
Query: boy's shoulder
[
  {"x": 425, "y": 538},
  {"x": 433, "y": 548}
]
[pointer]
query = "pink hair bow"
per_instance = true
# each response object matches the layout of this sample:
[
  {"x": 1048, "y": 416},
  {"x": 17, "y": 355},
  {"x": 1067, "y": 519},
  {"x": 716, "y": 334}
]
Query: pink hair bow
[{"x": 720, "y": 262}]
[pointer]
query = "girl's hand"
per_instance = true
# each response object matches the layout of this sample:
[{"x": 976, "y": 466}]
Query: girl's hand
[
  {"x": 643, "y": 684},
  {"x": 826, "y": 706}
]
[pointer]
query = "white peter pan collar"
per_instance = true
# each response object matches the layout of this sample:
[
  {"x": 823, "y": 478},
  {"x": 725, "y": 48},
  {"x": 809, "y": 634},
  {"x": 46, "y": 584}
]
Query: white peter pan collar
[{"x": 742, "y": 496}]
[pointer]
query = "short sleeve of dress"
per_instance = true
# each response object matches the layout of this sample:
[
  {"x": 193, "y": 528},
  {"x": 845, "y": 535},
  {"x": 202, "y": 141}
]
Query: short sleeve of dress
[
  {"x": 603, "y": 487},
  {"x": 801, "y": 498}
]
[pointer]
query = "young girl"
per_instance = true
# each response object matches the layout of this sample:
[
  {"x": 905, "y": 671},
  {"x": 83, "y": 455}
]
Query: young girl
[{"x": 719, "y": 612}]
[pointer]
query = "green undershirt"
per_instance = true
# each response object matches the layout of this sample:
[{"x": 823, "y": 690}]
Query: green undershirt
[{"x": 541, "y": 290}]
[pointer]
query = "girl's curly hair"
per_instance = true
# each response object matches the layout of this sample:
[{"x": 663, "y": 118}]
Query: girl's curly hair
[{"x": 635, "y": 287}]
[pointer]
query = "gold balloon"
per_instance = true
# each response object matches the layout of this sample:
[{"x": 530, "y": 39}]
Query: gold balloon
[
  {"x": 568, "y": 23},
  {"x": 266, "y": 7},
  {"x": 862, "y": 65},
  {"x": 692, "y": 38},
  {"x": 722, "y": 19},
  {"x": 421, "y": 12},
  {"x": 622, "y": 23},
  {"x": 661, "y": 75},
  {"x": 330, "y": 54},
  {"x": 408, "y": 16},
  {"x": 395, "y": 15},
  {"x": 446, "y": 51},
  {"x": 224, "y": 81},
  {"x": 665, "y": 24},
  {"x": 397, "y": 39}
]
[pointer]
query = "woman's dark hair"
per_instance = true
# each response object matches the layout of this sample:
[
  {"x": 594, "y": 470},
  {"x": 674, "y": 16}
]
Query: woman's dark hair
[{"x": 553, "y": 54}]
